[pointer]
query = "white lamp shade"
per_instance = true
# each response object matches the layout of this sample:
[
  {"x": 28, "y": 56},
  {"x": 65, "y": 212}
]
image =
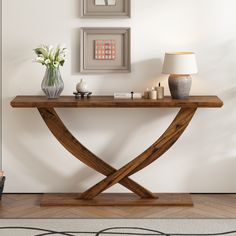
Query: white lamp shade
[{"x": 180, "y": 63}]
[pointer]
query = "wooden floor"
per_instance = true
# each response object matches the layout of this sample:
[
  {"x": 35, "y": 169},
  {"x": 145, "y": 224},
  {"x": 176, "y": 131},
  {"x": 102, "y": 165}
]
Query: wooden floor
[{"x": 205, "y": 206}]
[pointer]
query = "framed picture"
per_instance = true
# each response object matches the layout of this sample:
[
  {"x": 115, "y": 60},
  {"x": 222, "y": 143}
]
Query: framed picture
[
  {"x": 105, "y": 8},
  {"x": 105, "y": 50}
]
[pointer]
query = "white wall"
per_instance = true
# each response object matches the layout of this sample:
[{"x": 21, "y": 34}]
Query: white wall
[{"x": 203, "y": 160}]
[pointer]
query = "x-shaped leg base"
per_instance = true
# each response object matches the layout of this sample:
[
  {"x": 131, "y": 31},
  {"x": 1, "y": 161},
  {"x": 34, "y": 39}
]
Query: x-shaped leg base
[{"x": 113, "y": 176}]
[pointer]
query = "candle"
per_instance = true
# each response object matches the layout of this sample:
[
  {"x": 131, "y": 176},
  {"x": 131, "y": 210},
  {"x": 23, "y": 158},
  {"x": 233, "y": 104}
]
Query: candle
[
  {"x": 153, "y": 94},
  {"x": 160, "y": 91},
  {"x": 146, "y": 94}
]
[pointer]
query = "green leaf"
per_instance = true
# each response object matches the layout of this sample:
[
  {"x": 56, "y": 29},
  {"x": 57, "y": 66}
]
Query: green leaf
[
  {"x": 41, "y": 51},
  {"x": 57, "y": 53},
  {"x": 62, "y": 63}
]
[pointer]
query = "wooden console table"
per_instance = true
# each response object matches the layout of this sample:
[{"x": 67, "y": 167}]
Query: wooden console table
[{"x": 94, "y": 196}]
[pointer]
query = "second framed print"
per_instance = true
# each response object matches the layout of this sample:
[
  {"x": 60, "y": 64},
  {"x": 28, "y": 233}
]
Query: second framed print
[
  {"x": 105, "y": 8},
  {"x": 105, "y": 50}
]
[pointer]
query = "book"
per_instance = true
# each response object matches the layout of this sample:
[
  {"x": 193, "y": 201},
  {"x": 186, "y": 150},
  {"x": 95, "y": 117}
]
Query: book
[{"x": 128, "y": 95}]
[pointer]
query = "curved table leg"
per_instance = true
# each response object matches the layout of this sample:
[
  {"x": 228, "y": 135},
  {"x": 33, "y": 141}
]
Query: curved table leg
[
  {"x": 169, "y": 137},
  {"x": 63, "y": 135}
]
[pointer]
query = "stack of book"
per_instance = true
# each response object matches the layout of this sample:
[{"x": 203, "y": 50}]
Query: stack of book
[
  {"x": 128, "y": 95},
  {"x": 2, "y": 180}
]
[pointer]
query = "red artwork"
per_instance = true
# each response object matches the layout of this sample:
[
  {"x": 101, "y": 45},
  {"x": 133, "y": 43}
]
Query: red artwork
[{"x": 105, "y": 49}]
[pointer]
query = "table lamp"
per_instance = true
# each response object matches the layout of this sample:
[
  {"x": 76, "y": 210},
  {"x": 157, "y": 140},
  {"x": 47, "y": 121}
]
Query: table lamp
[{"x": 180, "y": 65}]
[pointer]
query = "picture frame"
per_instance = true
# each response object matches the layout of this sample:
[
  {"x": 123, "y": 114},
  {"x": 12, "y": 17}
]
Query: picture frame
[
  {"x": 116, "y": 9},
  {"x": 105, "y": 50}
]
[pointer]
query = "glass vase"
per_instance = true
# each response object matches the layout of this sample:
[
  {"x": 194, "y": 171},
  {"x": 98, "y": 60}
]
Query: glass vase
[{"x": 52, "y": 84}]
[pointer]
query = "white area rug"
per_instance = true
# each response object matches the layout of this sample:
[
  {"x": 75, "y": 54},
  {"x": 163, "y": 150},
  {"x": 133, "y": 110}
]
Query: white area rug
[{"x": 127, "y": 227}]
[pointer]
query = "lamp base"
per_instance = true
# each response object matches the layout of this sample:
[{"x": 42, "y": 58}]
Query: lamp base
[{"x": 180, "y": 86}]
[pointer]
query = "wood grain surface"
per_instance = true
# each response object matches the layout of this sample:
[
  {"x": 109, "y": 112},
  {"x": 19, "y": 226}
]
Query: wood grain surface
[
  {"x": 206, "y": 206},
  {"x": 64, "y": 136},
  {"x": 169, "y": 137},
  {"x": 110, "y": 102},
  {"x": 117, "y": 199},
  {"x": 94, "y": 195}
]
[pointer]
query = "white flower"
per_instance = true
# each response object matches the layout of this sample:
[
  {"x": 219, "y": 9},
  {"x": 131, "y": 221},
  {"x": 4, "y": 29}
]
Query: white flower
[
  {"x": 48, "y": 61},
  {"x": 39, "y": 59},
  {"x": 56, "y": 64},
  {"x": 51, "y": 56},
  {"x": 61, "y": 58}
]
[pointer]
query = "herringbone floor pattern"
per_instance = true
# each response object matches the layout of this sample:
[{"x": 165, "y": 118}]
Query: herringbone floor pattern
[{"x": 205, "y": 206}]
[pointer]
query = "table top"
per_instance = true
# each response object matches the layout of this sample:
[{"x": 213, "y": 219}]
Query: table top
[{"x": 110, "y": 102}]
